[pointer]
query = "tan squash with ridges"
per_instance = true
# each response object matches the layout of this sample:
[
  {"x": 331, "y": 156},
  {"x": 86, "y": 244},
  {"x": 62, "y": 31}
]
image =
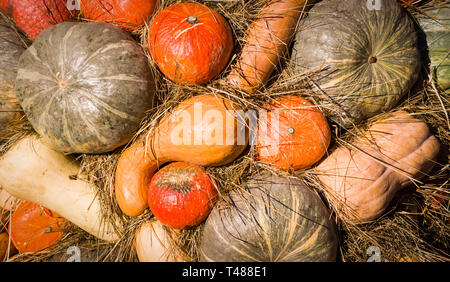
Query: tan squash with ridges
[{"x": 363, "y": 178}]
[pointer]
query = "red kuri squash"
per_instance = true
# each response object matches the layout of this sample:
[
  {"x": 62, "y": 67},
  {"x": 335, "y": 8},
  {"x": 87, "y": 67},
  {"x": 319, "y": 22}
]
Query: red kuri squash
[
  {"x": 181, "y": 195},
  {"x": 190, "y": 42},
  {"x": 33, "y": 16},
  {"x": 6, "y": 7},
  {"x": 293, "y": 135},
  {"x": 130, "y": 14},
  {"x": 34, "y": 227}
]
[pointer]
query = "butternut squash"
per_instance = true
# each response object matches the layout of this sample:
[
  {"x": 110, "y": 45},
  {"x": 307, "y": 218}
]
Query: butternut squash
[
  {"x": 363, "y": 178},
  {"x": 202, "y": 130},
  {"x": 33, "y": 171},
  {"x": 267, "y": 41}
]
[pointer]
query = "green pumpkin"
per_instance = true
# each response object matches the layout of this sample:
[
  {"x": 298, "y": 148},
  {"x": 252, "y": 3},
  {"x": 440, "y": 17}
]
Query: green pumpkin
[
  {"x": 362, "y": 60},
  {"x": 273, "y": 219},
  {"x": 435, "y": 23},
  {"x": 11, "y": 47},
  {"x": 85, "y": 87}
]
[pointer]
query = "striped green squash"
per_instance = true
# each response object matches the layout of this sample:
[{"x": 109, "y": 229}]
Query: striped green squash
[
  {"x": 85, "y": 87},
  {"x": 435, "y": 22},
  {"x": 362, "y": 58},
  {"x": 11, "y": 47},
  {"x": 274, "y": 219}
]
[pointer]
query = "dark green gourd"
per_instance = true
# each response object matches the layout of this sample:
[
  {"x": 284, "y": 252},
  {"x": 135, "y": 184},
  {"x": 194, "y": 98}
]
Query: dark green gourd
[
  {"x": 11, "y": 47},
  {"x": 363, "y": 60},
  {"x": 435, "y": 22},
  {"x": 273, "y": 219},
  {"x": 85, "y": 87}
]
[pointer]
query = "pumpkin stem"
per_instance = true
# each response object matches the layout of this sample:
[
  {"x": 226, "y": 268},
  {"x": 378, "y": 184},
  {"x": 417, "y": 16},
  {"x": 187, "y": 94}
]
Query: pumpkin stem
[
  {"x": 372, "y": 59},
  {"x": 291, "y": 130},
  {"x": 192, "y": 19}
]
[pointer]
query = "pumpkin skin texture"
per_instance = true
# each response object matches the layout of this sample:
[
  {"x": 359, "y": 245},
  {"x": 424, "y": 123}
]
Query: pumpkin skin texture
[
  {"x": 72, "y": 100},
  {"x": 6, "y": 7},
  {"x": 364, "y": 178},
  {"x": 300, "y": 139},
  {"x": 5, "y": 244},
  {"x": 130, "y": 14},
  {"x": 11, "y": 47},
  {"x": 201, "y": 130},
  {"x": 190, "y": 42},
  {"x": 436, "y": 27},
  {"x": 275, "y": 219},
  {"x": 364, "y": 61},
  {"x": 34, "y": 16},
  {"x": 34, "y": 227},
  {"x": 181, "y": 195}
]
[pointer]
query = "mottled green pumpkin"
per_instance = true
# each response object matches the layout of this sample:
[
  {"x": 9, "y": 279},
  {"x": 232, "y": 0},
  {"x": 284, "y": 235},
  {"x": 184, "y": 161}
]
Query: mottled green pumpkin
[
  {"x": 435, "y": 22},
  {"x": 85, "y": 87},
  {"x": 273, "y": 219},
  {"x": 362, "y": 60},
  {"x": 11, "y": 47}
]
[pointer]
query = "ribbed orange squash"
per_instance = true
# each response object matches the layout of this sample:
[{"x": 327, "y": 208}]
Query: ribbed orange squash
[
  {"x": 190, "y": 42},
  {"x": 293, "y": 135},
  {"x": 130, "y": 14},
  {"x": 34, "y": 227}
]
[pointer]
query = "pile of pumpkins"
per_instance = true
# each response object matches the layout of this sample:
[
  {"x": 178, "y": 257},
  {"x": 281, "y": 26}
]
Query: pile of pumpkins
[{"x": 85, "y": 87}]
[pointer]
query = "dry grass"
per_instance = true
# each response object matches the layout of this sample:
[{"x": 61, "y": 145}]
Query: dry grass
[{"x": 414, "y": 229}]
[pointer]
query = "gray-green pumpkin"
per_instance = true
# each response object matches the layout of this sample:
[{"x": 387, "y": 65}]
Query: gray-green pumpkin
[
  {"x": 362, "y": 58},
  {"x": 11, "y": 47},
  {"x": 435, "y": 22},
  {"x": 85, "y": 87},
  {"x": 273, "y": 219}
]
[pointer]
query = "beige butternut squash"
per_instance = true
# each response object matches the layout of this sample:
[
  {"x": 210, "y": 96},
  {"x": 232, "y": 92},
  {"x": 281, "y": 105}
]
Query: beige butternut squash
[{"x": 33, "y": 171}]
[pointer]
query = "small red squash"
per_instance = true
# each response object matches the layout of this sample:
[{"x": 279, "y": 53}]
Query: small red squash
[
  {"x": 181, "y": 195},
  {"x": 130, "y": 14},
  {"x": 190, "y": 42},
  {"x": 33, "y": 16},
  {"x": 34, "y": 227},
  {"x": 293, "y": 134}
]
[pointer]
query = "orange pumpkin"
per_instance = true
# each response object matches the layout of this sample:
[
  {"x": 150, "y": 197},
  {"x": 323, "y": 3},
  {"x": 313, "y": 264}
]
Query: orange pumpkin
[
  {"x": 130, "y": 14},
  {"x": 34, "y": 227},
  {"x": 5, "y": 246},
  {"x": 181, "y": 195},
  {"x": 293, "y": 135},
  {"x": 190, "y": 42}
]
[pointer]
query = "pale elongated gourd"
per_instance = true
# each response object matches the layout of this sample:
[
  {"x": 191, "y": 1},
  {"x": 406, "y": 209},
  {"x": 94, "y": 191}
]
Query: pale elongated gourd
[
  {"x": 363, "y": 178},
  {"x": 205, "y": 130},
  {"x": 33, "y": 171},
  {"x": 152, "y": 245}
]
